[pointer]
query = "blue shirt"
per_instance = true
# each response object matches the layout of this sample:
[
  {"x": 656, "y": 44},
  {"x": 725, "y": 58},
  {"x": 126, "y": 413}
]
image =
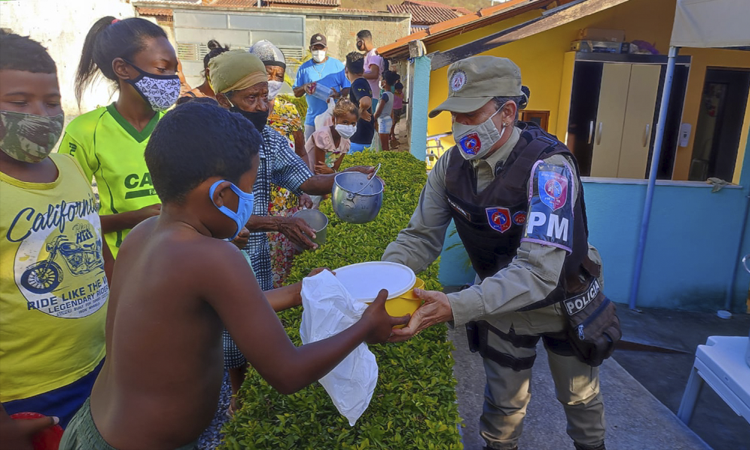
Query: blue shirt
[{"x": 330, "y": 74}]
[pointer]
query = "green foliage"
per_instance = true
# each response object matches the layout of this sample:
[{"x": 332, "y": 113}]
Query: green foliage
[{"x": 414, "y": 404}]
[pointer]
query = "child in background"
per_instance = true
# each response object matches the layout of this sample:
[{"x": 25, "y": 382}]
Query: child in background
[
  {"x": 385, "y": 107},
  {"x": 398, "y": 108},
  {"x": 53, "y": 257},
  {"x": 179, "y": 284},
  {"x": 328, "y": 146}
]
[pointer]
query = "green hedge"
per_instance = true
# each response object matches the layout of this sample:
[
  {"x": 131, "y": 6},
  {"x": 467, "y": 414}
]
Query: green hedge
[{"x": 414, "y": 404}]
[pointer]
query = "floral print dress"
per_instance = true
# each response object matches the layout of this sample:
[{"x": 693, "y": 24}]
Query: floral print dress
[{"x": 286, "y": 120}]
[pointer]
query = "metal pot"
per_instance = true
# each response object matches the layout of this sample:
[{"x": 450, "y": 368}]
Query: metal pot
[
  {"x": 354, "y": 200},
  {"x": 315, "y": 220}
]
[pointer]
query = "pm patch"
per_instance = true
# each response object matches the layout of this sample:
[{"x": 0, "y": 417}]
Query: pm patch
[
  {"x": 498, "y": 218},
  {"x": 550, "y": 218}
]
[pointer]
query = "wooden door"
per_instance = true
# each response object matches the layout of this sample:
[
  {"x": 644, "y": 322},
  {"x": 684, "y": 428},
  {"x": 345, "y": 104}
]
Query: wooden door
[
  {"x": 639, "y": 121},
  {"x": 610, "y": 116}
]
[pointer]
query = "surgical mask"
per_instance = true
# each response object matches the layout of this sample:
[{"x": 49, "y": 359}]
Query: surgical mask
[
  {"x": 273, "y": 89},
  {"x": 258, "y": 118},
  {"x": 318, "y": 55},
  {"x": 346, "y": 131},
  {"x": 475, "y": 141},
  {"x": 159, "y": 91},
  {"x": 244, "y": 206},
  {"x": 28, "y": 137}
]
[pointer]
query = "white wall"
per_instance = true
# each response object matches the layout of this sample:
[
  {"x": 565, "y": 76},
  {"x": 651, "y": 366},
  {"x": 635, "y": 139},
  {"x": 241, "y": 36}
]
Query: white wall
[{"x": 61, "y": 26}]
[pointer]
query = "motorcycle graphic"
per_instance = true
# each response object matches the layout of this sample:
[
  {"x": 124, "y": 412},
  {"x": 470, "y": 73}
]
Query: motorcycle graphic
[{"x": 45, "y": 276}]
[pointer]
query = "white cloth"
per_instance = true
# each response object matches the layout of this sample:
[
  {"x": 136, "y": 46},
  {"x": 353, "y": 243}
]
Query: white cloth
[
  {"x": 711, "y": 23},
  {"x": 328, "y": 309}
]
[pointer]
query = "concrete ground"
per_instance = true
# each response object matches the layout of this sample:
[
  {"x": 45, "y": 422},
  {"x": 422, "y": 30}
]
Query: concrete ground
[
  {"x": 665, "y": 374},
  {"x": 636, "y": 420}
]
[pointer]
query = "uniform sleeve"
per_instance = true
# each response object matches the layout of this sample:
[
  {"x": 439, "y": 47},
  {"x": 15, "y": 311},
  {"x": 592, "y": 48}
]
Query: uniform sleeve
[
  {"x": 421, "y": 242},
  {"x": 289, "y": 171},
  {"x": 71, "y": 146},
  {"x": 535, "y": 271}
]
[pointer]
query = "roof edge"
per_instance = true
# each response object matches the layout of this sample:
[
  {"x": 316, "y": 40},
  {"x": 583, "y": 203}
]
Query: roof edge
[{"x": 503, "y": 11}]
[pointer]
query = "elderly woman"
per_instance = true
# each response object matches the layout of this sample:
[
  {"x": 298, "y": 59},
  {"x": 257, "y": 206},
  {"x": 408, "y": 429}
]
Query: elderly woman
[
  {"x": 285, "y": 119},
  {"x": 240, "y": 81}
]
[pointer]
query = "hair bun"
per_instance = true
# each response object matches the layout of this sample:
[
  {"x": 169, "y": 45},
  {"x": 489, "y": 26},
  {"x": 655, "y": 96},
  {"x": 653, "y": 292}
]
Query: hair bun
[{"x": 213, "y": 44}]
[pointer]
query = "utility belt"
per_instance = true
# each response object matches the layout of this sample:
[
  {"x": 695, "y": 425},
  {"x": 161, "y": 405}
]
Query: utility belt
[{"x": 592, "y": 332}]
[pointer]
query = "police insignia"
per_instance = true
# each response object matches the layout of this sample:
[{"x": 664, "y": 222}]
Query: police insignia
[
  {"x": 550, "y": 218},
  {"x": 519, "y": 218},
  {"x": 458, "y": 80},
  {"x": 553, "y": 189},
  {"x": 471, "y": 144},
  {"x": 498, "y": 218}
]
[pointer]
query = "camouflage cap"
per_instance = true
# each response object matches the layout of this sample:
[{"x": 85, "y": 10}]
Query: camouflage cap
[{"x": 472, "y": 82}]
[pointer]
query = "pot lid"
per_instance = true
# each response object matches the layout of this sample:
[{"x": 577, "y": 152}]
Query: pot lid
[{"x": 365, "y": 280}]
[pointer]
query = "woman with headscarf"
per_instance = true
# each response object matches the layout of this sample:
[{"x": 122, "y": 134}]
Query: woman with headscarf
[
  {"x": 285, "y": 119},
  {"x": 240, "y": 81}
]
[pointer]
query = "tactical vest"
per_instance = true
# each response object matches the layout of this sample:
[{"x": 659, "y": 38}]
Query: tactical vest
[{"x": 493, "y": 248}]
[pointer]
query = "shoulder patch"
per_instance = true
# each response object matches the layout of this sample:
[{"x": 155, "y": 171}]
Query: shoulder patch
[{"x": 550, "y": 217}]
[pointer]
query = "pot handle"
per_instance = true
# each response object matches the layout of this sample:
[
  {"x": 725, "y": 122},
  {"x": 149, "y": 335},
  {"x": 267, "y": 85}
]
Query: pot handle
[{"x": 368, "y": 182}]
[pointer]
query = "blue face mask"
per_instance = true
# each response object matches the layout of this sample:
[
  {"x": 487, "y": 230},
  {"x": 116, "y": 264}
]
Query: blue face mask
[{"x": 244, "y": 206}]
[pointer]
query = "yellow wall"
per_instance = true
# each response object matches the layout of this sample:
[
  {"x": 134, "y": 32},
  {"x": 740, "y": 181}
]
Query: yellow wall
[{"x": 540, "y": 58}]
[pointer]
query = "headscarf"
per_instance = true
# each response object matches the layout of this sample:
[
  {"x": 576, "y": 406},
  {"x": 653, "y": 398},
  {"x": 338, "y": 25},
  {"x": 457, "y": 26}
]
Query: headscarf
[
  {"x": 235, "y": 70},
  {"x": 268, "y": 53}
]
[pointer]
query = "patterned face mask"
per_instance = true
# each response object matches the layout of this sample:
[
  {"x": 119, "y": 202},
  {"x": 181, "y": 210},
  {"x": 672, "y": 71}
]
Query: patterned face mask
[
  {"x": 159, "y": 91},
  {"x": 28, "y": 137}
]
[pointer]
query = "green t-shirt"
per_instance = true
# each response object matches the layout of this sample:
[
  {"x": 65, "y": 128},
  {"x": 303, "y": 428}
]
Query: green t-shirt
[{"x": 111, "y": 150}]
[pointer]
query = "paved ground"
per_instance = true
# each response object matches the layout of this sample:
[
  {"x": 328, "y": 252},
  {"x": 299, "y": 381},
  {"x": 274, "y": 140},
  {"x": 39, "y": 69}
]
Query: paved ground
[
  {"x": 636, "y": 420},
  {"x": 665, "y": 375}
]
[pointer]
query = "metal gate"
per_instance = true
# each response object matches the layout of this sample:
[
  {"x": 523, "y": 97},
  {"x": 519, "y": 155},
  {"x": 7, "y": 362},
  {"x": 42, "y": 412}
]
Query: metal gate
[{"x": 193, "y": 29}]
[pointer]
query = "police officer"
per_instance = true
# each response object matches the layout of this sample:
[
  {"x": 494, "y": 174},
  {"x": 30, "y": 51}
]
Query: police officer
[{"x": 515, "y": 196}]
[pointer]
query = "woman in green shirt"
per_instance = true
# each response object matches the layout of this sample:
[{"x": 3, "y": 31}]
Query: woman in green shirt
[{"x": 110, "y": 141}]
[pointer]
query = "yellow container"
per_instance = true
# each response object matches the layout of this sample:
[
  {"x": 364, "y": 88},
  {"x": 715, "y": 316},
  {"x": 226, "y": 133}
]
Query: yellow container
[{"x": 406, "y": 303}]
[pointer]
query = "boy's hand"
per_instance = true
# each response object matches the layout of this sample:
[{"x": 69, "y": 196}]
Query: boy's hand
[
  {"x": 334, "y": 94},
  {"x": 17, "y": 434},
  {"x": 298, "y": 231},
  {"x": 381, "y": 324},
  {"x": 241, "y": 240}
]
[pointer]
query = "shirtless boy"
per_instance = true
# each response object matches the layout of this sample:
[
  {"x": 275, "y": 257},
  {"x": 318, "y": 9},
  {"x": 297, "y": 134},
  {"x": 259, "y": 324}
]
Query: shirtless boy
[{"x": 177, "y": 284}]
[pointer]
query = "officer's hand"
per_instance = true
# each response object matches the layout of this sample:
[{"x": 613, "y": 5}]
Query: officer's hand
[{"x": 436, "y": 309}]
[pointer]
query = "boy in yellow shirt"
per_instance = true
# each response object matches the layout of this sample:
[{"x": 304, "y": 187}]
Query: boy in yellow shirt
[{"x": 53, "y": 287}]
